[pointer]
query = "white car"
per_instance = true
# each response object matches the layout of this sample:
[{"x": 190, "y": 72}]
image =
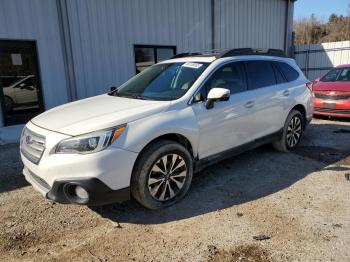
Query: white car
[
  {"x": 146, "y": 138},
  {"x": 21, "y": 92}
]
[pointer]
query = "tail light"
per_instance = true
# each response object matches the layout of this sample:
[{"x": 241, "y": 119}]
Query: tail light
[{"x": 309, "y": 85}]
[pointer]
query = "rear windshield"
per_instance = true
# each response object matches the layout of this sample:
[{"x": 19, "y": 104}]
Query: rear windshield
[
  {"x": 337, "y": 75},
  {"x": 162, "y": 82}
]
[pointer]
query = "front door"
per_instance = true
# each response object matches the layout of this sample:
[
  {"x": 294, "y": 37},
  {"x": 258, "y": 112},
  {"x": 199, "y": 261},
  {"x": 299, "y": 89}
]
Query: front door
[
  {"x": 20, "y": 89},
  {"x": 227, "y": 124}
]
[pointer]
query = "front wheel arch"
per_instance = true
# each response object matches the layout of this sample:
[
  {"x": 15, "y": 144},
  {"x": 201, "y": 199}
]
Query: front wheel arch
[
  {"x": 178, "y": 138},
  {"x": 11, "y": 100}
]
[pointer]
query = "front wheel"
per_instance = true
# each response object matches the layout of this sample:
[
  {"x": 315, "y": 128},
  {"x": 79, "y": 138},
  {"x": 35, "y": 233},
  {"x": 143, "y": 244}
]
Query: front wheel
[
  {"x": 162, "y": 174},
  {"x": 9, "y": 104},
  {"x": 292, "y": 132}
]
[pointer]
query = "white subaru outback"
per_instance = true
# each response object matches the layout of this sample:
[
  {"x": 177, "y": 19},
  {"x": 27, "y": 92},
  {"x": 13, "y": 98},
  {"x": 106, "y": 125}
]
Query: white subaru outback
[{"x": 146, "y": 138}]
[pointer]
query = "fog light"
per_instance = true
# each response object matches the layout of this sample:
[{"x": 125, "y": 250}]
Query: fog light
[{"x": 81, "y": 192}]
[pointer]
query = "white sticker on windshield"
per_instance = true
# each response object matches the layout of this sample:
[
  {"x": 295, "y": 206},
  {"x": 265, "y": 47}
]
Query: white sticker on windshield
[{"x": 192, "y": 65}]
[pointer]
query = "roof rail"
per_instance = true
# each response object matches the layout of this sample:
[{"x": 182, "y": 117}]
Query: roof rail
[
  {"x": 234, "y": 52},
  {"x": 251, "y": 51},
  {"x": 185, "y": 55}
]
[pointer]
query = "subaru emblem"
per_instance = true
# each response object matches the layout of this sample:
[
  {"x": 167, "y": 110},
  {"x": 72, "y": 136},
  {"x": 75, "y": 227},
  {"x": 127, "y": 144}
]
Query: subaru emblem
[{"x": 29, "y": 140}]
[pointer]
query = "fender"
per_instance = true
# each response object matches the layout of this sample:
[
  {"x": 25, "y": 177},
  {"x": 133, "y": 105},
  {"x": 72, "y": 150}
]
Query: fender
[{"x": 140, "y": 132}]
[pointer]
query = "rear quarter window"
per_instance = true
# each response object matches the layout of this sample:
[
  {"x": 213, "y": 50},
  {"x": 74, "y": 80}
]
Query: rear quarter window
[{"x": 289, "y": 72}]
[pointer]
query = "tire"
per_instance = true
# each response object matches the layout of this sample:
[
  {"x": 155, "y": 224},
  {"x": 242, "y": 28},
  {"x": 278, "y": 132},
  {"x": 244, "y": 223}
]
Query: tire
[
  {"x": 291, "y": 136},
  {"x": 149, "y": 168},
  {"x": 8, "y": 103}
]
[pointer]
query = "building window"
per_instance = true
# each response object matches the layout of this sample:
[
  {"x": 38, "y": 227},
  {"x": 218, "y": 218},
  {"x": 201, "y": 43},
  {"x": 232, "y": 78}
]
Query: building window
[
  {"x": 147, "y": 55},
  {"x": 20, "y": 89}
]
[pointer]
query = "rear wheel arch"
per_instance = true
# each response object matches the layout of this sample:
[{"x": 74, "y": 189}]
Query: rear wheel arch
[{"x": 302, "y": 111}]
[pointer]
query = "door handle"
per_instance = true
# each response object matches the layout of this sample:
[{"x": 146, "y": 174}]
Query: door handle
[
  {"x": 249, "y": 104},
  {"x": 286, "y": 93}
]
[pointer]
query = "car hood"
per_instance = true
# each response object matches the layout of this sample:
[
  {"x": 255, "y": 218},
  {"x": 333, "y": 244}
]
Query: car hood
[
  {"x": 332, "y": 86},
  {"x": 97, "y": 113}
]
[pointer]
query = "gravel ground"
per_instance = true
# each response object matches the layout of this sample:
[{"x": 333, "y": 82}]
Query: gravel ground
[{"x": 297, "y": 204}]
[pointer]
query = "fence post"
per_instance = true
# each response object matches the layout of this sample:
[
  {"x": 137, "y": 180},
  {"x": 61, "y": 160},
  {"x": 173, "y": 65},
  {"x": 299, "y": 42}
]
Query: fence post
[{"x": 307, "y": 62}]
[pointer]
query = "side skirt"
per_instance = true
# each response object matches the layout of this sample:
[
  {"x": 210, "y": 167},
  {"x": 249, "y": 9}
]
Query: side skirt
[{"x": 210, "y": 160}]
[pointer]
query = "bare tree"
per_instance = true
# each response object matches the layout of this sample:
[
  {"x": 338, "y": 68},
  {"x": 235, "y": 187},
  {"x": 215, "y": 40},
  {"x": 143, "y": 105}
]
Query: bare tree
[{"x": 313, "y": 31}]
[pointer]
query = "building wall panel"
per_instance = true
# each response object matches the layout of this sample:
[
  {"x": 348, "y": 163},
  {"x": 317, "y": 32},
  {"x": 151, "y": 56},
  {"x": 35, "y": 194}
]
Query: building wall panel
[
  {"x": 104, "y": 32},
  {"x": 250, "y": 23},
  {"x": 38, "y": 20}
]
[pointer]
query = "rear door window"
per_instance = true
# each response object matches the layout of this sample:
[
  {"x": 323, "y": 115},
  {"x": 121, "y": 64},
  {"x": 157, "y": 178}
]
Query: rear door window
[
  {"x": 260, "y": 74},
  {"x": 289, "y": 72}
]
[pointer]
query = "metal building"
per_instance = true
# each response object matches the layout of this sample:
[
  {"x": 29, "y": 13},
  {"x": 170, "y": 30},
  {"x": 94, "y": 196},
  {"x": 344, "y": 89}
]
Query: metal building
[{"x": 56, "y": 51}]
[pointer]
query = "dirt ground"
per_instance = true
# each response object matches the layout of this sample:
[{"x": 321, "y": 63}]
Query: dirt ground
[{"x": 259, "y": 206}]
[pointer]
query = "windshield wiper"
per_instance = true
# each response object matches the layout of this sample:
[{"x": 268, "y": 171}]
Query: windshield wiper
[{"x": 134, "y": 96}]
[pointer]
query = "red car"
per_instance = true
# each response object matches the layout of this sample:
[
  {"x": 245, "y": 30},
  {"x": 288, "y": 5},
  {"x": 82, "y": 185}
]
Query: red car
[{"x": 332, "y": 93}]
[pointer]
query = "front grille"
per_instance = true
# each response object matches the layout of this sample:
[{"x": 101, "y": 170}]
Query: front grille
[
  {"x": 39, "y": 180},
  {"x": 332, "y": 97},
  {"x": 334, "y": 111},
  {"x": 32, "y": 145}
]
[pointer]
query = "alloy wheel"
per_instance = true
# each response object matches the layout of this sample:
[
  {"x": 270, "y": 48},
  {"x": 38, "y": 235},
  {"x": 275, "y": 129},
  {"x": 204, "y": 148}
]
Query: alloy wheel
[
  {"x": 294, "y": 131},
  {"x": 167, "y": 177}
]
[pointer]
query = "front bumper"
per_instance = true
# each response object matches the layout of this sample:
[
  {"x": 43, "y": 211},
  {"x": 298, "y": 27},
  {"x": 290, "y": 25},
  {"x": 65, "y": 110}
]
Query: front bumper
[
  {"x": 62, "y": 191},
  {"x": 105, "y": 175}
]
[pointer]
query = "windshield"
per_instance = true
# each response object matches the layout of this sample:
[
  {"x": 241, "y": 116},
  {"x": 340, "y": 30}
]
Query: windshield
[
  {"x": 164, "y": 82},
  {"x": 337, "y": 74}
]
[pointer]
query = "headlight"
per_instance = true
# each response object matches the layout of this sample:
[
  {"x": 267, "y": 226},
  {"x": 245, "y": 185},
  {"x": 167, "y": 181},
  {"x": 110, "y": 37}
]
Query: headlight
[{"x": 90, "y": 143}]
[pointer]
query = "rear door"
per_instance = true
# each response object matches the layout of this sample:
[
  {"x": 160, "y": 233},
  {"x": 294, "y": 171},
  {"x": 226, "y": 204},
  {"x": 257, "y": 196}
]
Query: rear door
[
  {"x": 291, "y": 89},
  {"x": 266, "y": 100}
]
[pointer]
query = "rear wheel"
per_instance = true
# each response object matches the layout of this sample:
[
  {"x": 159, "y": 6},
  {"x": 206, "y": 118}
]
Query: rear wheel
[
  {"x": 292, "y": 132},
  {"x": 162, "y": 174}
]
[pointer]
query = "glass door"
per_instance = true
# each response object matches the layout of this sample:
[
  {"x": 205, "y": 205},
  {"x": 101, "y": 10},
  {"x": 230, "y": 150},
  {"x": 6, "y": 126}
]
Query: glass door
[{"x": 20, "y": 88}]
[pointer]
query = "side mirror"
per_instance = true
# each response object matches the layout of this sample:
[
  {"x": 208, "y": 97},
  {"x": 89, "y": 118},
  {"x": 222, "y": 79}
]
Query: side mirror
[
  {"x": 217, "y": 94},
  {"x": 113, "y": 88},
  {"x": 318, "y": 79}
]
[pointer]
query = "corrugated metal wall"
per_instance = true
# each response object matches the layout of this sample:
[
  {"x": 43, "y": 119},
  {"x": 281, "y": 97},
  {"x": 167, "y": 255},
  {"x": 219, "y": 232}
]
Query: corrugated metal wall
[
  {"x": 104, "y": 32},
  {"x": 316, "y": 60},
  {"x": 37, "y": 20},
  {"x": 251, "y": 23}
]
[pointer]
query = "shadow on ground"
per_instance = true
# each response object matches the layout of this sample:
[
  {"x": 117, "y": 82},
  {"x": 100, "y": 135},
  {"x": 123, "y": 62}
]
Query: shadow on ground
[
  {"x": 246, "y": 177},
  {"x": 11, "y": 177}
]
